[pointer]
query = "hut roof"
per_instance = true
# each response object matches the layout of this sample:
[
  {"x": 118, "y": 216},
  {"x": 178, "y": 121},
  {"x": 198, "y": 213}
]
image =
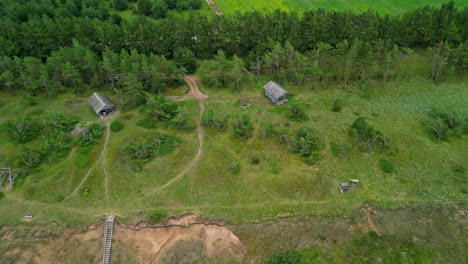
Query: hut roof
[
  {"x": 274, "y": 91},
  {"x": 99, "y": 102}
]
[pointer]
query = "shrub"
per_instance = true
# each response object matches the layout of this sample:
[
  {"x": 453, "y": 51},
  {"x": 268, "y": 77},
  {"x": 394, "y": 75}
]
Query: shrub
[
  {"x": 367, "y": 134},
  {"x": 297, "y": 112},
  {"x": 31, "y": 158},
  {"x": 242, "y": 127},
  {"x": 267, "y": 129},
  {"x": 155, "y": 216},
  {"x": 151, "y": 145},
  {"x": 59, "y": 198},
  {"x": 56, "y": 144},
  {"x": 212, "y": 119},
  {"x": 90, "y": 134},
  {"x": 85, "y": 150},
  {"x": 85, "y": 192},
  {"x": 58, "y": 121},
  {"x": 288, "y": 257},
  {"x": 22, "y": 130},
  {"x": 148, "y": 123},
  {"x": 387, "y": 166},
  {"x": 181, "y": 121},
  {"x": 254, "y": 160},
  {"x": 305, "y": 142},
  {"x": 2, "y": 195},
  {"x": 235, "y": 168},
  {"x": 116, "y": 126},
  {"x": 337, "y": 105},
  {"x": 82, "y": 161},
  {"x": 312, "y": 159},
  {"x": 445, "y": 124}
]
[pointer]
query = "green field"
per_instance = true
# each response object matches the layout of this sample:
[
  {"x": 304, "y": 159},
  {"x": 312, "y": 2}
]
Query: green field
[
  {"x": 281, "y": 183},
  {"x": 394, "y": 7}
]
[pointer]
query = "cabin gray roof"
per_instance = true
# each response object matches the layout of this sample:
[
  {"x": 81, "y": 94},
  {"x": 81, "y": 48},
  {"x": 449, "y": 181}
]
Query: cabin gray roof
[
  {"x": 100, "y": 102},
  {"x": 274, "y": 91}
]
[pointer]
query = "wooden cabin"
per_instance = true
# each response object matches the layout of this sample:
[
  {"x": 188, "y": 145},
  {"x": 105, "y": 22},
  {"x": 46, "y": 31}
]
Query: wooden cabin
[
  {"x": 276, "y": 93},
  {"x": 101, "y": 104}
]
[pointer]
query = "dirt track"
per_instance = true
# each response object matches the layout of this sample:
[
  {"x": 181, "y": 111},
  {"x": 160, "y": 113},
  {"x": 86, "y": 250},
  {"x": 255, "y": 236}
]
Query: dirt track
[
  {"x": 193, "y": 94},
  {"x": 215, "y": 7}
]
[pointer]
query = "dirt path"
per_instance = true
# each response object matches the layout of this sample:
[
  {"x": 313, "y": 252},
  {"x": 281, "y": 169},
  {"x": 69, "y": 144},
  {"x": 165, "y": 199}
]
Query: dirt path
[
  {"x": 193, "y": 94},
  {"x": 215, "y": 7},
  {"x": 103, "y": 151},
  {"x": 370, "y": 220},
  {"x": 103, "y": 163}
]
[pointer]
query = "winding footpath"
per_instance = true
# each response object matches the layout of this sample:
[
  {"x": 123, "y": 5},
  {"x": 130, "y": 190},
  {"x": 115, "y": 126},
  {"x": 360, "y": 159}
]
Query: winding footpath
[{"x": 193, "y": 94}]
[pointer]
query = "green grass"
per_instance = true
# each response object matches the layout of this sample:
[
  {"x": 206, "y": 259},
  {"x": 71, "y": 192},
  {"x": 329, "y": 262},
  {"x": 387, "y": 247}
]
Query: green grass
[
  {"x": 394, "y": 7},
  {"x": 280, "y": 184}
]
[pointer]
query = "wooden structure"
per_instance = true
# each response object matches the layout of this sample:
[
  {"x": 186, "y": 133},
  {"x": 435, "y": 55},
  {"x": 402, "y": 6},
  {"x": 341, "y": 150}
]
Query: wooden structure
[
  {"x": 108, "y": 230},
  {"x": 276, "y": 93},
  {"x": 101, "y": 104},
  {"x": 344, "y": 187}
]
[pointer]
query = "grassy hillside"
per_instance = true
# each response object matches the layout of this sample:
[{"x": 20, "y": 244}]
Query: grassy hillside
[
  {"x": 279, "y": 183},
  {"x": 394, "y": 7}
]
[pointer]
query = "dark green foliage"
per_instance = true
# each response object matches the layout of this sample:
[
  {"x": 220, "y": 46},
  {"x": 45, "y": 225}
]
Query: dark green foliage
[
  {"x": 116, "y": 126},
  {"x": 90, "y": 134},
  {"x": 337, "y": 105},
  {"x": 368, "y": 135},
  {"x": 215, "y": 120},
  {"x": 120, "y": 5},
  {"x": 22, "y": 130},
  {"x": 2, "y": 195},
  {"x": 255, "y": 160},
  {"x": 386, "y": 166},
  {"x": 157, "y": 106},
  {"x": 242, "y": 127},
  {"x": 288, "y": 257},
  {"x": 148, "y": 122},
  {"x": 313, "y": 158},
  {"x": 267, "y": 129},
  {"x": 184, "y": 58},
  {"x": 31, "y": 158},
  {"x": 29, "y": 100},
  {"x": 235, "y": 168},
  {"x": 181, "y": 121},
  {"x": 445, "y": 124},
  {"x": 156, "y": 216},
  {"x": 171, "y": 4},
  {"x": 56, "y": 144},
  {"x": 305, "y": 142},
  {"x": 159, "y": 9},
  {"x": 145, "y": 148},
  {"x": 297, "y": 112},
  {"x": 195, "y": 4},
  {"x": 85, "y": 150},
  {"x": 58, "y": 121},
  {"x": 82, "y": 161},
  {"x": 144, "y": 7}
]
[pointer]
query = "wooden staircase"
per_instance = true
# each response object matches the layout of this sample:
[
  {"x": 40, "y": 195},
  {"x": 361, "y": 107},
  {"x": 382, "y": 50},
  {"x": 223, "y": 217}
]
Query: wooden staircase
[{"x": 108, "y": 229}]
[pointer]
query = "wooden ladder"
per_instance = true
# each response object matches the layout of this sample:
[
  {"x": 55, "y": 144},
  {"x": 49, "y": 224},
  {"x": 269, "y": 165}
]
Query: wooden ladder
[{"x": 108, "y": 229}]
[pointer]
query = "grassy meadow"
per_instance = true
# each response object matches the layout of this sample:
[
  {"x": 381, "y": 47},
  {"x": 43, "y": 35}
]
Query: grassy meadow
[
  {"x": 394, "y": 7},
  {"x": 280, "y": 183}
]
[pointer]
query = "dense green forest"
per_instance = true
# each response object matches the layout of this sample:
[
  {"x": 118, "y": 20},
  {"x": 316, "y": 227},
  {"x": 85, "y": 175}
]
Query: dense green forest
[{"x": 46, "y": 44}]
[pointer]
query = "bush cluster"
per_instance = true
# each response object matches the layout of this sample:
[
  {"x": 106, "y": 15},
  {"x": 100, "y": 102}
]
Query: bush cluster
[
  {"x": 444, "y": 124},
  {"x": 145, "y": 148},
  {"x": 367, "y": 134},
  {"x": 116, "y": 126},
  {"x": 156, "y": 216}
]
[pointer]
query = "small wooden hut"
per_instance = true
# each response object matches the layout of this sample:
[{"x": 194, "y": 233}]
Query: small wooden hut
[
  {"x": 101, "y": 104},
  {"x": 276, "y": 93}
]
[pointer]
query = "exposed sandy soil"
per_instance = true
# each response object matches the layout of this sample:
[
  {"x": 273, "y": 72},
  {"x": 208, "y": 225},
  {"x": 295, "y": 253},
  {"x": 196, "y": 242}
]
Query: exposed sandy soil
[
  {"x": 189, "y": 238},
  {"x": 182, "y": 239}
]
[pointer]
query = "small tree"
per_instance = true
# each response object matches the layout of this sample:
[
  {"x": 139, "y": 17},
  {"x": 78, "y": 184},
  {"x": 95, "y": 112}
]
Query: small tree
[
  {"x": 159, "y": 9},
  {"x": 90, "y": 134},
  {"x": 242, "y": 127},
  {"x": 367, "y": 134},
  {"x": 31, "y": 158},
  {"x": 22, "y": 130},
  {"x": 297, "y": 112},
  {"x": 215, "y": 120},
  {"x": 184, "y": 58},
  {"x": 159, "y": 107},
  {"x": 116, "y": 126},
  {"x": 120, "y": 5},
  {"x": 181, "y": 121}
]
